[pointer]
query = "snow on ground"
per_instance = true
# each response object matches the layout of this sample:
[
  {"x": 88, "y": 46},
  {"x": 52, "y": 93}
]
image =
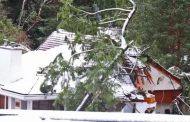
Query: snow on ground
[{"x": 65, "y": 116}]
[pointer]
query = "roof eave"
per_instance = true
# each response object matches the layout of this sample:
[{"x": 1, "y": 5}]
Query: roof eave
[{"x": 27, "y": 97}]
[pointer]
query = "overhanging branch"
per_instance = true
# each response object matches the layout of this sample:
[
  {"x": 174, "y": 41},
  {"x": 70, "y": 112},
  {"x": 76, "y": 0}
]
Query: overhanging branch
[{"x": 92, "y": 50}]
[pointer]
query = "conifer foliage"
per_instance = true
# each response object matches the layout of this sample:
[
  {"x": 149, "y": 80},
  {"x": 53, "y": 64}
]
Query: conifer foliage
[{"x": 102, "y": 55}]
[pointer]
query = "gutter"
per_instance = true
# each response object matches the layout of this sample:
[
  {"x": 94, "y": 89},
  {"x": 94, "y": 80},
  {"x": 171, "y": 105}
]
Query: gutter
[{"x": 26, "y": 97}]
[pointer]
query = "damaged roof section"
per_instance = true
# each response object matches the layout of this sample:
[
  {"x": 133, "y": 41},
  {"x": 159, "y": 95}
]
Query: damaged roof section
[{"x": 150, "y": 75}]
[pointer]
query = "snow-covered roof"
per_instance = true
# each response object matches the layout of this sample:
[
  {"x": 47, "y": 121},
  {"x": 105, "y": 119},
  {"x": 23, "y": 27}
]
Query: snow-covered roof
[
  {"x": 58, "y": 38},
  {"x": 32, "y": 61},
  {"x": 124, "y": 88},
  {"x": 55, "y": 39}
]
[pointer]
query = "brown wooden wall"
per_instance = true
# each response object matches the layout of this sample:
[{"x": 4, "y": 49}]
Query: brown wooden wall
[
  {"x": 43, "y": 105},
  {"x": 2, "y": 100},
  {"x": 166, "y": 96}
]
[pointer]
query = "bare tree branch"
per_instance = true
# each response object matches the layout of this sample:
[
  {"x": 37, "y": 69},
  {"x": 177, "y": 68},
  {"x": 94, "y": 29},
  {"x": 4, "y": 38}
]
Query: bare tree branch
[
  {"x": 134, "y": 66},
  {"x": 184, "y": 102},
  {"x": 131, "y": 12},
  {"x": 38, "y": 16},
  {"x": 178, "y": 108},
  {"x": 41, "y": 6},
  {"x": 129, "y": 16},
  {"x": 123, "y": 42},
  {"x": 100, "y": 11},
  {"x": 21, "y": 12}
]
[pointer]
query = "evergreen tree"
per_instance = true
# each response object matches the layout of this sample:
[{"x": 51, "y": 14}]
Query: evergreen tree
[
  {"x": 103, "y": 55},
  {"x": 9, "y": 32},
  {"x": 36, "y": 18},
  {"x": 163, "y": 25}
]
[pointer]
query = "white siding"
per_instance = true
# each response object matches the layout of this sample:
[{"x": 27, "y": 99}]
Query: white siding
[{"x": 165, "y": 83}]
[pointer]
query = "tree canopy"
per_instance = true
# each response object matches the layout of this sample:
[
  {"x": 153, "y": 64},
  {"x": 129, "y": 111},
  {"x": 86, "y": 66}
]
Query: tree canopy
[
  {"x": 102, "y": 55},
  {"x": 163, "y": 25}
]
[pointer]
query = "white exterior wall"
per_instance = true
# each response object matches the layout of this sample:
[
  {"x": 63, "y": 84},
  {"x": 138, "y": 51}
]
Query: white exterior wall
[
  {"x": 10, "y": 64},
  {"x": 129, "y": 107},
  {"x": 141, "y": 107},
  {"x": 11, "y": 102},
  {"x": 29, "y": 105},
  {"x": 23, "y": 104},
  {"x": 164, "y": 83},
  {"x": 160, "y": 108}
]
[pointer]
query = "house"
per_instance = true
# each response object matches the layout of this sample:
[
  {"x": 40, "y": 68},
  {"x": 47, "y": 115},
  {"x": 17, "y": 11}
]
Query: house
[
  {"x": 153, "y": 79},
  {"x": 165, "y": 86},
  {"x": 20, "y": 82}
]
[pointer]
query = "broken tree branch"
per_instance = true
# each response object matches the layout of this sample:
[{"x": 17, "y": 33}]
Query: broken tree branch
[
  {"x": 184, "y": 102},
  {"x": 178, "y": 108},
  {"x": 129, "y": 17},
  {"x": 85, "y": 102}
]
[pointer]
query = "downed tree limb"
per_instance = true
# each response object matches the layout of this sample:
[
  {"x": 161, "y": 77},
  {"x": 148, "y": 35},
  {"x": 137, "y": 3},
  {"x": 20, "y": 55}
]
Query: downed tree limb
[{"x": 85, "y": 102}]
